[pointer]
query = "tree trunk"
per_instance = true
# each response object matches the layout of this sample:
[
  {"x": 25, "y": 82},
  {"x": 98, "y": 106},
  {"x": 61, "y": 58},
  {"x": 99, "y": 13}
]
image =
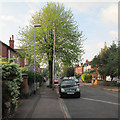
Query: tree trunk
[
  {"x": 50, "y": 72},
  {"x": 50, "y": 62}
]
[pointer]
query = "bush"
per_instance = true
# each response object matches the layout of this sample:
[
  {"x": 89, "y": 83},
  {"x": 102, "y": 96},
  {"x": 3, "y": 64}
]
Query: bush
[
  {"x": 86, "y": 77},
  {"x": 11, "y": 81},
  {"x": 77, "y": 76},
  {"x": 30, "y": 73}
]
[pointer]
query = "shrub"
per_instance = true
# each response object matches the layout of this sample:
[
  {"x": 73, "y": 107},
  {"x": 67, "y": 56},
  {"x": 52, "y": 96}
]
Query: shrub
[
  {"x": 77, "y": 76},
  {"x": 86, "y": 77},
  {"x": 11, "y": 80},
  {"x": 39, "y": 77}
]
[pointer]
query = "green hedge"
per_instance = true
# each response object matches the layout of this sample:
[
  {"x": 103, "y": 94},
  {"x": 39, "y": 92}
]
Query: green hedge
[
  {"x": 11, "y": 84},
  {"x": 86, "y": 77},
  {"x": 30, "y": 73}
]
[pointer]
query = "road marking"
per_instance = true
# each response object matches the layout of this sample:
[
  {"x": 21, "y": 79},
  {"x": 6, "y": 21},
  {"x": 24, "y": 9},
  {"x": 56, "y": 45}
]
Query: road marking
[
  {"x": 100, "y": 101},
  {"x": 64, "y": 109}
]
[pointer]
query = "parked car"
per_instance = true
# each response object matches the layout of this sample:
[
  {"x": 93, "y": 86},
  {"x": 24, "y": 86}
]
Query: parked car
[
  {"x": 56, "y": 81},
  {"x": 116, "y": 79},
  {"x": 69, "y": 88},
  {"x": 76, "y": 80}
]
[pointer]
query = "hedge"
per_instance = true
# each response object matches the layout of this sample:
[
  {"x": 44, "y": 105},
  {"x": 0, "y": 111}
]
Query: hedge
[
  {"x": 11, "y": 84},
  {"x": 30, "y": 73},
  {"x": 86, "y": 77}
]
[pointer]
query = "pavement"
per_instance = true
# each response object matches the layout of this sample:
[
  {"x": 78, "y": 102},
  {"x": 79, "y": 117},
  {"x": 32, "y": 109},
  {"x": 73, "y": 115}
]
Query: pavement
[
  {"x": 108, "y": 88},
  {"x": 44, "y": 104}
]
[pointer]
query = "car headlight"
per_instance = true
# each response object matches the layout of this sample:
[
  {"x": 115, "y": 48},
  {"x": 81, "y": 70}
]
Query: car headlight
[
  {"x": 62, "y": 90},
  {"x": 77, "y": 89}
]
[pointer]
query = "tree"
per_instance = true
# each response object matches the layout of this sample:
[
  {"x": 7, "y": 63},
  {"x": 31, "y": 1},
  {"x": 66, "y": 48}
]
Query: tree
[
  {"x": 107, "y": 62},
  {"x": 68, "y": 39},
  {"x": 112, "y": 63}
]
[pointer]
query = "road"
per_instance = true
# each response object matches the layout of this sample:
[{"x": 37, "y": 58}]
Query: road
[{"x": 94, "y": 103}]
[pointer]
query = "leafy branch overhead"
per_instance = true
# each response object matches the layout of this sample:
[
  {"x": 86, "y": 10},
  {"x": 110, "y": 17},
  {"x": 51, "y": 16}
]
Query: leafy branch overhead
[{"x": 68, "y": 40}]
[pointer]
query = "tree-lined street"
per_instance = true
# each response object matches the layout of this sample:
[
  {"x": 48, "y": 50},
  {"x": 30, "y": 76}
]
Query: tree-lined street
[
  {"x": 49, "y": 64},
  {"x": 94, "y": 103}
]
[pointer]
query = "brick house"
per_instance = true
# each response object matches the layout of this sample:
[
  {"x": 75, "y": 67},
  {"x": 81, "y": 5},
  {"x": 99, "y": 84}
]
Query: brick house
[
  {"x": 79, "y": 69},
  {"x": 9, "y": 52}
]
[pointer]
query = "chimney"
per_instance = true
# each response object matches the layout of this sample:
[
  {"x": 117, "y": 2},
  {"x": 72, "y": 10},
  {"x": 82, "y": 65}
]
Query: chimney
[
  {"x": 11, "y": 42},
  {"x": 81, "y": 64},
  {"x": 86, "y": 61}
]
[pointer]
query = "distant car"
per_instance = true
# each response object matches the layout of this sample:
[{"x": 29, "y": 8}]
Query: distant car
[
  {"x": 76, "y": 80},
  {"x": 116, "y": 79},
  {"x": 69, "y": 88},
  {"x": 56, "y": 81},
  {"x": 66, "y": 78}
]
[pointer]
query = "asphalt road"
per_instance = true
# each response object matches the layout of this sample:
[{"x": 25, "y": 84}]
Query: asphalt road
[{"x": 94, "y": 103}]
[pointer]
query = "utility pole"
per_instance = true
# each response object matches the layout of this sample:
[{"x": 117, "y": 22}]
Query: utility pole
[{"x": 53, "y": 59}]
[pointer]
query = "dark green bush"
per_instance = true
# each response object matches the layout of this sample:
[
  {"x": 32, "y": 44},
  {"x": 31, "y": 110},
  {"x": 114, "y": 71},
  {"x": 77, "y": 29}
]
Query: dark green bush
[
  {"x": 11, "y": 84},
  {"x": 77, "y": 76},
  {"x": 30, "y": 73}
]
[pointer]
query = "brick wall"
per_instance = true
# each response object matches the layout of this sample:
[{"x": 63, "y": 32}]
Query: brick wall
[{"x": 4, "y": 51}]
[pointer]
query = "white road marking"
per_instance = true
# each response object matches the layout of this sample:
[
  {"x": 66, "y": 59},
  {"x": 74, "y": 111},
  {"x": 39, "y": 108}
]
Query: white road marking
[
  {"x": 64, "y": 109},
  {"x": 100, "y": 101}
]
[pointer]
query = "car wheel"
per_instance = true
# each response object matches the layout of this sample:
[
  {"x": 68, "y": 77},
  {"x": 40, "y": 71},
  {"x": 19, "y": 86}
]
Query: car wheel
[
  {"x": 61, "y": 96},
  {"x": 79, "y": 95}
]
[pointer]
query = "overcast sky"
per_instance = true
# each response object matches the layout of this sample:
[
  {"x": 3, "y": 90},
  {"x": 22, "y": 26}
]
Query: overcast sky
[{"x": 97, "y": 20}]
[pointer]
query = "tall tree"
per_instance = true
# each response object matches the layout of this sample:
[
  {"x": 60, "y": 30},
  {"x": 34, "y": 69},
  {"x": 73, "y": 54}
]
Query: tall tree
[
  {"x": 68, "y": 39},
  {"x": 107, "y": 62}
]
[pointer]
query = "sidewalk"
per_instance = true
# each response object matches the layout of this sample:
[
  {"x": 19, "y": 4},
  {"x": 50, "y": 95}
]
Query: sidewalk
[
  {"x": 44, "y": 104},
  {"x": 108, "y": 88}
]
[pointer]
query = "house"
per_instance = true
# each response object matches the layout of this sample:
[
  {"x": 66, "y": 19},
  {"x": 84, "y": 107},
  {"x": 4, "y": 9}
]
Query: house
[
  {"x": 87, "y": 66},
  {"x": 79, "y": 69},
  {"x": 9, "y": 52}
]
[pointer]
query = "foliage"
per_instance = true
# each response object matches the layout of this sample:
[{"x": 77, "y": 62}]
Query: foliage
[
  {"x": 45, "y": 72},
  {"x": 11, "y": 60},
  {"x": 4, "y": 60},
  {"x": 68, "y": 40},
  {"x": 107, "y": 62},
  {"x": 68, "y": 71},
  {"x": 77, "y": 76},
  {"x": 12, "y": 79},
  {"x": 30, "y": 73},
  {"x": 57, "y": 69},
  {"x": 86, "y": 77}
]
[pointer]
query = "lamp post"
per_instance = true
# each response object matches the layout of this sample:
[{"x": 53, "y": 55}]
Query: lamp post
[{"x": 37, "y": 25}]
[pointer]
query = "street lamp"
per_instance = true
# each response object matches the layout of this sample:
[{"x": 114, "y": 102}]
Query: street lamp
[{"x": 37, "y": 25}]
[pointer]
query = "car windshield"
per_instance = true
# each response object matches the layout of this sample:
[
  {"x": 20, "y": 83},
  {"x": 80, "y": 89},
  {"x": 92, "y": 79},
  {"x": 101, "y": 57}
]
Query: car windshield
[{"x": 68, "y": 83}]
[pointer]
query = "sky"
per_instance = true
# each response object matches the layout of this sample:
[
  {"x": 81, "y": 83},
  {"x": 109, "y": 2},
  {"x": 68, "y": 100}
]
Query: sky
[{"x": 97, "y": 20}]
